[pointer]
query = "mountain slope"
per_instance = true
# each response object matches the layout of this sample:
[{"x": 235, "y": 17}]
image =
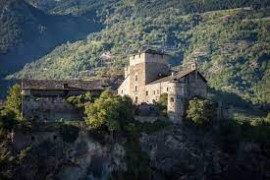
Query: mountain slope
[
  {"x": 231, "y": 46},
  {"x": 27, "y": 33}
]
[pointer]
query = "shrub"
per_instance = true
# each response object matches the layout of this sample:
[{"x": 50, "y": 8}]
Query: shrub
[
  {"x": 109, "y": 112},
  {"x": 7, "y": 120},
  {"x": 201, "y": 111},
  {"x": 14, "y": 102},
  {"x": 162, "y": 104}
]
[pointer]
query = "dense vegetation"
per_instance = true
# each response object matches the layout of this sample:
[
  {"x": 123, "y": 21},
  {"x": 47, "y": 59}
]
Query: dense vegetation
[
  {"x": 27, "y": 33},
  {"x": 231, "y": 46},
  {"x": 109, "y": 112},
  {"x": 201, "y": 111}
]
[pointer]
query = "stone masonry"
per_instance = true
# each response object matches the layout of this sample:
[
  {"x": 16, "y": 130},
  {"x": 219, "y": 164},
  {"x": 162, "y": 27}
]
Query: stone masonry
[{"x": 148, "y": 76}]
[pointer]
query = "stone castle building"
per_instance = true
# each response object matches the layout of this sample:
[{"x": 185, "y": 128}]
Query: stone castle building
[
  {"x": 47, "y": 100},
  {"x": 148, "y": 76}
]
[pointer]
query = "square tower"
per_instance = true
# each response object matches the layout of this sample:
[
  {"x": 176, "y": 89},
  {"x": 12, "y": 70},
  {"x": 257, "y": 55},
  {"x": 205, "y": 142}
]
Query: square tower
[{"x": 144, "y": 67}]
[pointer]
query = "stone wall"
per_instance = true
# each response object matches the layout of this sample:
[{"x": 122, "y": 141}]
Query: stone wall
[
  {"x": 49, "y": 109},
  {"x": 154, "y": 91},
  {"x": 143, "y": 69},
  {"x": 181, "y": 91}
]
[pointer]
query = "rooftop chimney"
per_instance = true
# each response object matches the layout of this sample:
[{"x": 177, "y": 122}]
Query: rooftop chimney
[{"x": 193, "y": 65}]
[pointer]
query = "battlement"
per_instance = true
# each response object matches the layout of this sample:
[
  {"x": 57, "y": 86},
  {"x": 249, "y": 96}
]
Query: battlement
[{"x": 149, "y": 56}]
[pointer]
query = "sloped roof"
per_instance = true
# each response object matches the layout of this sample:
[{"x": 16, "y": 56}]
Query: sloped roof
[
  {"x": 177, "y": 76},
  {"x": 62, "y": 85}
]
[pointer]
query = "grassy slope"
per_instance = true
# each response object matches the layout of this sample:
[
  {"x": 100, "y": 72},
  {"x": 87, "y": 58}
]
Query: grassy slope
[{"x": 232, "y": 46}]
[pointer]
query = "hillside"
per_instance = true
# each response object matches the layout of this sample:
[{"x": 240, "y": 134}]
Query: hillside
[
  {"x": 232, "y": 46},
  {"x": 27, "y": 33},
  {"x": 74, "y": 7}
]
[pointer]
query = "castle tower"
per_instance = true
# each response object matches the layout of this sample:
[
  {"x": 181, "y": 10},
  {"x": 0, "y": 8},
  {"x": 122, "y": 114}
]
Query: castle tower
[
  {"x": 144, "y": 67},
  {"x": 176, "y": 102}
]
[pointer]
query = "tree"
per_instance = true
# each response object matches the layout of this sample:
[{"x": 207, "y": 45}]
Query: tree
[
  {"x": 162, "y": 103},
  {"x": 109, "y": 112},
  {"x": 79, "y": 101},
  {"x": 201, "y": 111},
  {"x": 14, "y": 102},
  {"x": 7, "y": 121}
]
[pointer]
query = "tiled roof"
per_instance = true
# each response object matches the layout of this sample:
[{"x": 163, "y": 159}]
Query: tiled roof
[
  {"x": 63, "y": 85},
  {"x": 178, "y": 75}
]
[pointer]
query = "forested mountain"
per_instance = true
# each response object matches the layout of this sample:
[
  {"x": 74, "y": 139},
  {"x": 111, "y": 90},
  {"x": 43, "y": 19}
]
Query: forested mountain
[
  {"x": 229, "y": 39},
  {"x": 27, "y": 33}
]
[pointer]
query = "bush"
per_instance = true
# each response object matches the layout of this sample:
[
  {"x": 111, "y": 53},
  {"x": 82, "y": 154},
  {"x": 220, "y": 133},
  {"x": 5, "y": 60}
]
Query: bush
[
  {"x": 162, "y": 104},
  {"x": 14, "y": 102},
  {"x": 7, "y": 120},
  {"x": 109, "y": 112},
  {"x": 201, "y": 111}
]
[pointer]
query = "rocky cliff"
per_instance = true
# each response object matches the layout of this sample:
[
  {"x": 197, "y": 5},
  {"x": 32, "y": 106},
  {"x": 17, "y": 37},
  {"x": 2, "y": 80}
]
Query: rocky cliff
[{"x": 173, "y": 152}]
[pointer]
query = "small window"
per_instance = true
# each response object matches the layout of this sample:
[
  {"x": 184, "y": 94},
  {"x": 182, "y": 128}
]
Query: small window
[
  {"x": 136, "y": 78},
  {"x": 146, "y": 93},
  {"x": 33, "y": 138},
  {"x": 136, "y": 88},
  {"x": 167, "y": 89},
  {"x": 136, "y": 99},
  {"x": 65, "y": 85},
  {"x": 172, "y": 99},
  {"x": 54, "y": 137},
  {"x": 154, "y": 92},
  {"x": 122, "y": 92}
]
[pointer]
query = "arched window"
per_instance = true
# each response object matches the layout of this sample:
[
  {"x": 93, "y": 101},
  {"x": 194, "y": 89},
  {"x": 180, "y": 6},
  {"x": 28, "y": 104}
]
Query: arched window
[
  {"x": 171, "y": 99},
  {"x": 136, "y": 88}
]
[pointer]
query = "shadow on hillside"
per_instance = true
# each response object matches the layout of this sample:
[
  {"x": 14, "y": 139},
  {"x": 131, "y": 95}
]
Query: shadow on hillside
[
  {"x": 41, "y": 38},
  {"x": 230, "y": 98}
]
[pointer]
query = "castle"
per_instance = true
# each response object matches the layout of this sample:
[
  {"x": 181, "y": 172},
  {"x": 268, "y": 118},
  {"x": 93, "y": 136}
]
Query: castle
[
  {"x": 148, "y": 76},
  {"x": 44, "y": 100}
]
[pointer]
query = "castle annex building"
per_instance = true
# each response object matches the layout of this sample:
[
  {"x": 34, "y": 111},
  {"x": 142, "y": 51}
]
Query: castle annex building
[
  {"x": 148, "y": 76},
  {"x": 47, "y": 100}
]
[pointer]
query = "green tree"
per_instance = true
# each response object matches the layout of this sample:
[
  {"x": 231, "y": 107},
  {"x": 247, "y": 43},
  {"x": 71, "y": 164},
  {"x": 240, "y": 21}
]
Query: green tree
[
  {"x": 7, "y": 160},
  {"x": 162, "y": 103},
  {"x": 109, "y": 112},
  {"x": 7, "y": 121},
  {"x": 14, "y": 102},
  {"x": 267, "y": 118},
  {"x": 79, "y": 101},
  {"x": 201, "y": 111}
]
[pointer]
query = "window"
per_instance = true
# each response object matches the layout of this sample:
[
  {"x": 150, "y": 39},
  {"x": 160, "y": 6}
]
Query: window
[
  {"x": 33, "y": 138},
  {"x": 172, "y": 99},
  {"x": 136, "y": 99},
  {"x": 65, "y": 85},
  {"x": 136, "y": 78},
  {"x": 154, "y": 92},
  {"x": 136, "y": 88},
  {"x": 54, "y": 137},
  {"x": 167, "y": 89},
  {"x": 122, "y": 92},
  {"x": 146, "y": 93}
]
